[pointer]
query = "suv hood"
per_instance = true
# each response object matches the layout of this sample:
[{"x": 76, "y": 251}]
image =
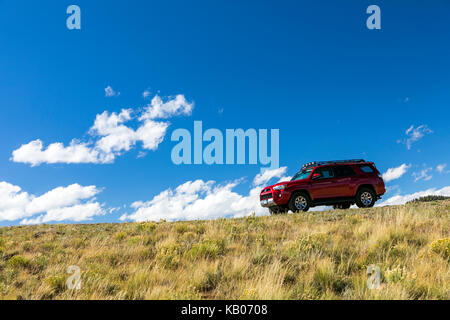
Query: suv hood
[{"x": 288, "y": 183}]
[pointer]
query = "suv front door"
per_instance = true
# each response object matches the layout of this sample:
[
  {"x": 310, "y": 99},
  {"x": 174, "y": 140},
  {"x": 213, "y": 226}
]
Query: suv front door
[{"x": 325, "y": 186}]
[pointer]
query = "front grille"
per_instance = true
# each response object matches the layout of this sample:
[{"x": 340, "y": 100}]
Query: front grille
[{"x": 266, "y": 196}]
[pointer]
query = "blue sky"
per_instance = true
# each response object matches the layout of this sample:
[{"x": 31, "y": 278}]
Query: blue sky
[{"x": 311, "y": 69}]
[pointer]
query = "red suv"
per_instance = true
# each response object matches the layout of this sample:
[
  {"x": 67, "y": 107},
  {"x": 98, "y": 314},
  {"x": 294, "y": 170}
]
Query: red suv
[{"x": 337, "y": 183}]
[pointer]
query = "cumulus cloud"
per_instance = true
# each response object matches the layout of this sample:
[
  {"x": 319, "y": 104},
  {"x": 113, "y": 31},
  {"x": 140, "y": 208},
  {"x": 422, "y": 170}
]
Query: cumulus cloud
[
  {"x": 116, "y": 137},
  {"x": 415, "y": 134},
  {"x": 203, "y": 200},
  {"x": 111, "y": 135},
  {"x": 71, "y": 203},
  {"x": 395, "y": 173},
  {"x": 61, "y": 197},
  {"x": 35, "y": 154},
  {"x": 75, "y": 213},
  {"x": 13, "y": 202},
  {"x": 109, "y": 92},
  {"x": 266, "y": 175},
  {"x": 163, "y": 110},
  {"x": 402, "y": 199}
]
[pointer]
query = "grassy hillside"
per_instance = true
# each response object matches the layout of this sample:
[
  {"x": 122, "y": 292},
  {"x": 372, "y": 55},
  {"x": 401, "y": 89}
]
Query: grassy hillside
[{"x": 317, "y": 255}]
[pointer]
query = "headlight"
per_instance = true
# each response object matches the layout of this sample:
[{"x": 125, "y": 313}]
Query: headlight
[{"x": 280, "y": 187}]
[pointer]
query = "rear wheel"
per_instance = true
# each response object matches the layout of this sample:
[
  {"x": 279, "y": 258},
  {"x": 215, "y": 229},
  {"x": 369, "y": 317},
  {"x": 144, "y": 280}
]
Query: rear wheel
[
  {"x": 299, "y": 202},
  {"x": 365, "y": 198}
]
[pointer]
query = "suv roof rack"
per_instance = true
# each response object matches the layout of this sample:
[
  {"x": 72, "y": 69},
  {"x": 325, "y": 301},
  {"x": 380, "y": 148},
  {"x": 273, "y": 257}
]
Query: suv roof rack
[{"x": 321, "y": 163}]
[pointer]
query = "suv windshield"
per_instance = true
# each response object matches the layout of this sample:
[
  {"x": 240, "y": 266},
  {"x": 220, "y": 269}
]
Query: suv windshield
[{"x": 301, "y": 175}]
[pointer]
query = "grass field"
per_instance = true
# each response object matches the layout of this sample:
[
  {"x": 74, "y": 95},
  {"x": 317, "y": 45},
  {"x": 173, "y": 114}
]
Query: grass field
[{"x": 316, "y": 255}]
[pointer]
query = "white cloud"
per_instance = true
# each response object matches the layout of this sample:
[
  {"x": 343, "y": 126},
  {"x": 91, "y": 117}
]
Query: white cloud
[
  {"x": 203, "y": 200},
  {"x": 35, "y": 154},
  {"x": 395, "y": 173},
  {"x": 163, "y": 110},
  {"x": 394, "y": 188},
  {"x": 146, "y": 94},
  {"x": 110, "y": 134},
  {"x": 402, "y": 199},
  {"x": 440, "y": 168},
  {"x": 152, "y": 133},
  {"x": 266, "y": 175},
  {"x": 415, "y": 134},
  {"x": 61, "y": 197},
  {"x": 71, "y": 203},
  {"x": 76, "y": 213},
  {"x": 109, "y": 92},
  {"x": 422, "y": 174},
  {"x": 13, "y": 202},
  {"x": 115, "y": 136}
]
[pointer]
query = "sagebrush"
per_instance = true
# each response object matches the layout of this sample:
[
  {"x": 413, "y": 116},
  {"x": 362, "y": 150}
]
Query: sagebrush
[{"x": 315, "y": 255}]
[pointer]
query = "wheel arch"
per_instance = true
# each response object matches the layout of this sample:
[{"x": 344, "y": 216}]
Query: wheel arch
[
  {"x": 368, "y": 186},
  {"x": 300, "y": 191}
]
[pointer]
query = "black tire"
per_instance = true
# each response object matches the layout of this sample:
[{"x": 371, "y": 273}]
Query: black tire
[
  {"x": 365, "y": 198},
  {"x": 342, "y": 206},
  {"x": 299, "y": 202}
]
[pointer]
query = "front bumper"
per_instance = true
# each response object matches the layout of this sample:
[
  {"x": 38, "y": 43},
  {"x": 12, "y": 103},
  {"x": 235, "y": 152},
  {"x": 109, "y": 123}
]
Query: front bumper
[{"x": 268, "y": 203}]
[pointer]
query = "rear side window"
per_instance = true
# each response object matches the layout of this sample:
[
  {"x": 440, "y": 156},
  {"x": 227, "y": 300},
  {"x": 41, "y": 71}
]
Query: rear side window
[
  {"x": 343, "y": 171},
  {"x": 367, "y": 169}
]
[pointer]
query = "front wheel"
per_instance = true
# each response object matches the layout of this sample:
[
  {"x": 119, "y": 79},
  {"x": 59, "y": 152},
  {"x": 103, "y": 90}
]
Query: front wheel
[
  {"x": 365, "y": 198},
  {"x": 299, "y": 202}
]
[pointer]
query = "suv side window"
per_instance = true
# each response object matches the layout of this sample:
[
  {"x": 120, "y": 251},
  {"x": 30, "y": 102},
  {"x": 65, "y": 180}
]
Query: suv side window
[
  {"x": 366, "y": 169},
  {"x": 325, "y": 173},
  {"x": 343, "y": 171}
]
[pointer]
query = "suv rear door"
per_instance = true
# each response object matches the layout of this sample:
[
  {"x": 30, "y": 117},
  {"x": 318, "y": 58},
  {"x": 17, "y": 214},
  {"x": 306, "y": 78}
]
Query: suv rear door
[{"x": 344, "y": 176}]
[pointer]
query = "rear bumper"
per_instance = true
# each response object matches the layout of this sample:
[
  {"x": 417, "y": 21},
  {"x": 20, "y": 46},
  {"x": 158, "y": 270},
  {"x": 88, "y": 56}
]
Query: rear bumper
[{"x": 380, "y": 189}]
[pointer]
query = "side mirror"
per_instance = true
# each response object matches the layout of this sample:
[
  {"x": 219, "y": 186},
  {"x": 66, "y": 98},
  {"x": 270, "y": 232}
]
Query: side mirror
[{"x": 316, "y": 176}]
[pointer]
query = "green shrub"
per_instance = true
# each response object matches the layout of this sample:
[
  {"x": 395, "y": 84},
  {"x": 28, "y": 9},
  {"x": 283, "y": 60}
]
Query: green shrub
[
  {"x": 38, "y": 264},
  {"x": 168, "y": 256},
  {"x": 181, "y": 228},
  {"x": 120, "y": 236},
  {"x": 429, "y": 199},
  {"x": 145, "y": 227},
  {"x": 57, "y": 283},
  {"x": 326, "y": 279},
  {"x": 209, "y": 281},
  {"x": 17, "y": 262},
  {"x": 207, "y": 249},
  {"x": 441, "y": 247}
]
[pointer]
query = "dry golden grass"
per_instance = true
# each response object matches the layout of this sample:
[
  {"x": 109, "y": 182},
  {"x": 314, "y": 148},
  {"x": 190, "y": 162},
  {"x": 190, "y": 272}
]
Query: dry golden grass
[{"x": 316, "y": 255}]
